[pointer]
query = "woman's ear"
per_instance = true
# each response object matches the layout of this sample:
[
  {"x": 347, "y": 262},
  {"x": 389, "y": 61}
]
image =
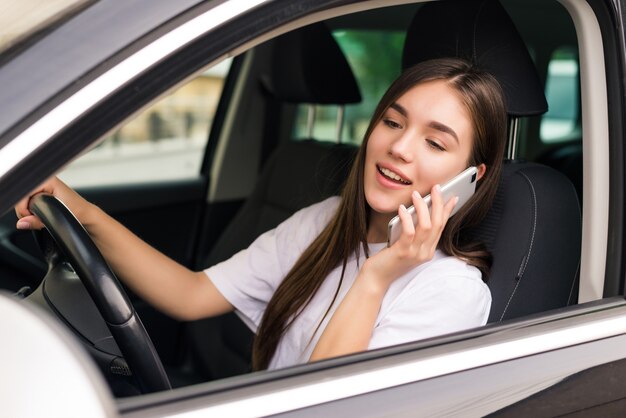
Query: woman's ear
[{"x": 482, "y": 169}]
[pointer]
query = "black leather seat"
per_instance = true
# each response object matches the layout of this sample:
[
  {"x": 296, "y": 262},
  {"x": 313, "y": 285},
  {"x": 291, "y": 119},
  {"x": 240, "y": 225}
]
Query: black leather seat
[
  {"x": 533, "y": 231},
  {"x": 568, "y": 159},
  {"x": 534, "y": 227},
  {"x": 308, "y": 67}
]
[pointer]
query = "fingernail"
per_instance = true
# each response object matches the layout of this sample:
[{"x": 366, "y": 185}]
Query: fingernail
[
  {"x": 416, "y": 194},
  {"x": 437, "y": 187},
  {"x": 403, "y": 208},
  {"x": 23, "y": 225}
]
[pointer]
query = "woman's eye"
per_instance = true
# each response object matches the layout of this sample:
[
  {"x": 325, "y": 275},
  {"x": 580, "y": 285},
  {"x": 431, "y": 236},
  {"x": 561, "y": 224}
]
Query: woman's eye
[
  {"x": 435, "y": 145},
  {"x": 392, "y": 124}
]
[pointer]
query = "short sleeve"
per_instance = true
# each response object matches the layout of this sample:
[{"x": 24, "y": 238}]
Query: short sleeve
[
  {"x": 249, "y": 278},
  {"x": 443, "y": 302}
]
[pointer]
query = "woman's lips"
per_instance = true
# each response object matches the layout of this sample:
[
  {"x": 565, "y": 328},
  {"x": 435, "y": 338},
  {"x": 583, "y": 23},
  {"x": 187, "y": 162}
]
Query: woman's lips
[
  {"x": 388, "y": 182},
  {"x": 392, "y": 175}
]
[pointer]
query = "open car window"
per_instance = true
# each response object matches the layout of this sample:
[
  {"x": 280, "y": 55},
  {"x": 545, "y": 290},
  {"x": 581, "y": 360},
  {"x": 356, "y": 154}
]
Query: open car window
[{"x": 165, "y": 142}]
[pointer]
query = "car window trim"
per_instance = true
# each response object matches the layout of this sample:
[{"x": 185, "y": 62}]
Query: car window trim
[
  {"x": 308, "y": 385},
  {"x": 595, "y": 124}
]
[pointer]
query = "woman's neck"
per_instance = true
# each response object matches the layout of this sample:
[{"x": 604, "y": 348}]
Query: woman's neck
[{"x": 377, "y": 228}]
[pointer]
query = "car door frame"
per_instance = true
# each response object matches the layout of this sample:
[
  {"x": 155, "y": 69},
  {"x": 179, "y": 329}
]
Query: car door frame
[{"x": 76, "y": 132}]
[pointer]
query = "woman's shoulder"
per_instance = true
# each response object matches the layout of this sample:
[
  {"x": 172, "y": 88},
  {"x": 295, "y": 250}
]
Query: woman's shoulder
[
  {"x": 304, "y": 225},
  {"x": 444, "y": 295},
  {"x": 450, "y": 273},
  {"x": 454, "y": 265}
]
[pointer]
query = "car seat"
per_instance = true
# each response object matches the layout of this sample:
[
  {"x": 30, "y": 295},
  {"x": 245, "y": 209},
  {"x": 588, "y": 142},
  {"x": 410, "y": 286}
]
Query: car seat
[
  {"x": 568, "y": 159},
  {"x": 533, "y": 229},
  {"x": 307, "y": 67}
]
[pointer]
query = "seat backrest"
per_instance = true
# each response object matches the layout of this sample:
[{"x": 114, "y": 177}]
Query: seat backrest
[
  {"x": 533, "y": 231},
  {"x": 298, "y": 174},
  {"x": 308, "y": 67},
  {"x": 534, "y": 226},
  {"x": 568, "y": 159}
]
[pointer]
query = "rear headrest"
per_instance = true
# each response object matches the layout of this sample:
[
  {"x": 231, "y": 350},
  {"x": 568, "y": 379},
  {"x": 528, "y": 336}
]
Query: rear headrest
[
  {"x": 309, "y": 67},
  {"x": 482, "y": 32}
]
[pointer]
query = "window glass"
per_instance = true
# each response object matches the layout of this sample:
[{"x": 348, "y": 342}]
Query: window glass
[
  {"x": 164, "y": 142},
  {"x": 375, "y": 58},
  {"x": 562, "y": 121}
]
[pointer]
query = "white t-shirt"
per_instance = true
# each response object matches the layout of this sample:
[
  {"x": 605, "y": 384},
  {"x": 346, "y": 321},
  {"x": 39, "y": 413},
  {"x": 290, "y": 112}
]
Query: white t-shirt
[{"x": 441, "y": 296}]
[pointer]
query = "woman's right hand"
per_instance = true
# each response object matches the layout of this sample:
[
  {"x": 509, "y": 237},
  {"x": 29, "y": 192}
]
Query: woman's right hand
[{"x": 74, "y": 202}]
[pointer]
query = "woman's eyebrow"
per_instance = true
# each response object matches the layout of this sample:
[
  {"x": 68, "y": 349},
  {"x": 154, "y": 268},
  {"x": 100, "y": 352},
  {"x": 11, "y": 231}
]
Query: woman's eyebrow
[
  {"x": 400, "y": 109},
  {"x": 435, "y": 125},
  {"x": 445, "y": 129}
]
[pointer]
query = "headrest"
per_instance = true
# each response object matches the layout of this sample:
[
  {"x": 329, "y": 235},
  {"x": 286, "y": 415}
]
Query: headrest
[
  {"x": 481, "y": 32},
  {"x": 309, "y": 67}
]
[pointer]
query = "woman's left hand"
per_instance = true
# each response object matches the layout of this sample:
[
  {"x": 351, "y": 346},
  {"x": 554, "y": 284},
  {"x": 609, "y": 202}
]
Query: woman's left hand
[{"x": 416, "y": 245}]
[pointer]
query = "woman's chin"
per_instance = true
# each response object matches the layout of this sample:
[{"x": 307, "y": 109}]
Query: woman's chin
[
  {"x": 383, "y": 205},
  {"x": 385, "y": 210}
]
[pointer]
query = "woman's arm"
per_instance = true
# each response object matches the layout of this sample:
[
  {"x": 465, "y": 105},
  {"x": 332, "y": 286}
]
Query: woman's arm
[
  {"x": 350, "y": 328},
  {"x": 169, "y": 286}
]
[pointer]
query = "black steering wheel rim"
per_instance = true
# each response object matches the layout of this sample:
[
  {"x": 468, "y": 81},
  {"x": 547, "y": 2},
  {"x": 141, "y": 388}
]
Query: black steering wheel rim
[{"x": 105, "y": 291}]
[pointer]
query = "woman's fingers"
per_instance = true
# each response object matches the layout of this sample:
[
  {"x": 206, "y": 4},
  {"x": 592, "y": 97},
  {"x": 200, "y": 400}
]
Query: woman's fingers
[
  {"x": 436, "y": 208},
  {"x": 449, "y": 207},
  {"x": 21, "y": 209},
  {"x": 25, "y": 218},
  {"x": 421, "y": 210},
  {"x": 29, "y": 222},
  {"x": 430, "y": 221},
  {"x": 446, "y": 210},
  {"x": 418, "y": 243},
  {"x": 408, "y": 229}
]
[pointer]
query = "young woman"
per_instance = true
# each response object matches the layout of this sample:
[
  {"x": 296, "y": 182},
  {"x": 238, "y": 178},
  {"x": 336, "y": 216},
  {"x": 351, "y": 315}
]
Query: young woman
[{"x": 323, "y": 283}]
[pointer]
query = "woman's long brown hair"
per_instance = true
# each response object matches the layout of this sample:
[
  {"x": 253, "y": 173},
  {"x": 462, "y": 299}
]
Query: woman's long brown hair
[{"x": 346, "y": 233}]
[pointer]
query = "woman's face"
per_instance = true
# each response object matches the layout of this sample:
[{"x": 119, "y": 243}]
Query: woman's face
[{"x": 423, "y": 139}]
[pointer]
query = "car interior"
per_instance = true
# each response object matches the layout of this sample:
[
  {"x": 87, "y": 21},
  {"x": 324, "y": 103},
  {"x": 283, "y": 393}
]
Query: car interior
[{"x": 286, "y": 129}]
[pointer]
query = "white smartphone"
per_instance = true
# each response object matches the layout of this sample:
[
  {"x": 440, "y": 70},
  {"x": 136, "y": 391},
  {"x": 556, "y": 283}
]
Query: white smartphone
[{"x": 463, "y": 185}]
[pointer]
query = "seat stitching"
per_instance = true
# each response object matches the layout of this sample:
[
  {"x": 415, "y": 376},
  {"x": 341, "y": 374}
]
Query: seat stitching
[
  {"x": 520, "y": 273},
  {"x": 571, "y": 290},
  {"x": 577, "y": 272},
  {"x": 532, "y": 238},
  {"x": 509, "y": 301},
  {"x": 475, "y": 29}
]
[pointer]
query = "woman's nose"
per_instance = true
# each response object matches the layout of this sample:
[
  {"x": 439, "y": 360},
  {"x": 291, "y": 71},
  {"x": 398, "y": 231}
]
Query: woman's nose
[{"x": 402, "y": 148}]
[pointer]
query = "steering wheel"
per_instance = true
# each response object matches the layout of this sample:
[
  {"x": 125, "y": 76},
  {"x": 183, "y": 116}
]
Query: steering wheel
[{"x": 71, "y": 241}]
